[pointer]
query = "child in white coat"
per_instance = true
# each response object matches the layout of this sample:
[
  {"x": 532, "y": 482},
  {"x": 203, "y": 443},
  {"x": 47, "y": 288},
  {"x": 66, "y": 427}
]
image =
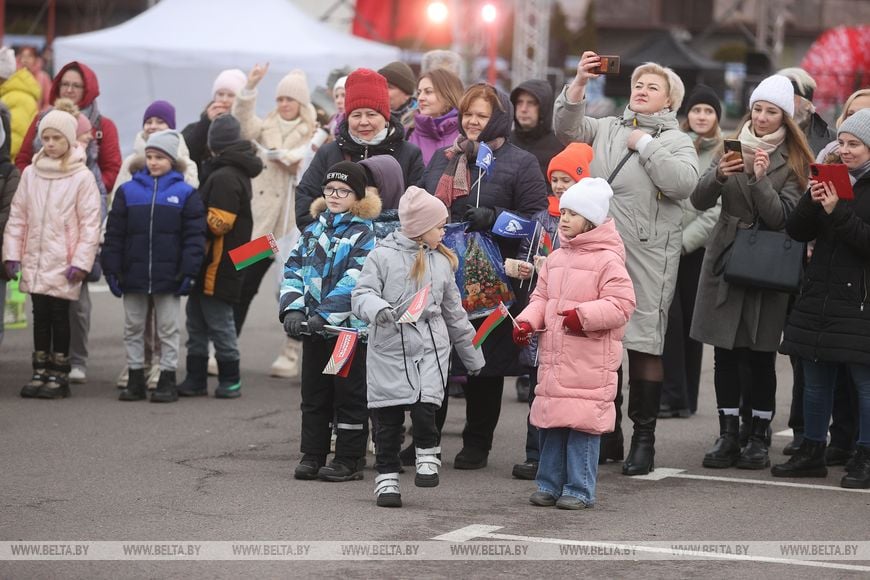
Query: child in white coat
[{"x": 407, "y": 362}]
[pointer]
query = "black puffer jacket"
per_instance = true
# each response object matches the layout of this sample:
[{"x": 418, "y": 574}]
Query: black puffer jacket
[
  {"x": 515, "y": 185},
  {"x": 344, "y": 148},
  {"x": 540, "y": 141},
  {"x": 830, "y": 321}
]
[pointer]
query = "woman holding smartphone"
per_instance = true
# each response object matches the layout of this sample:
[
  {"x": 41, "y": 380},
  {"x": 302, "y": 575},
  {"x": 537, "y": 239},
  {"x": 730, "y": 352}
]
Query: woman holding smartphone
[
  {"x": 652, "y": 166},
  {"x": 829, "y": 327},
  {"x": 743, "y": 323}
]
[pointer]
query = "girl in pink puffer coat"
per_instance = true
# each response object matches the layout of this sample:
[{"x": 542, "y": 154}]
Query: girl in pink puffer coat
[
  {"x": 581, "y": 305},
  {"x": 51, "y": 238}
]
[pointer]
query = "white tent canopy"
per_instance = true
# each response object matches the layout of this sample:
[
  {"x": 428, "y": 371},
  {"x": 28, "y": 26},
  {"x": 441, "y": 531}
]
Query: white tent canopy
[{"x": 175, "y": 50}]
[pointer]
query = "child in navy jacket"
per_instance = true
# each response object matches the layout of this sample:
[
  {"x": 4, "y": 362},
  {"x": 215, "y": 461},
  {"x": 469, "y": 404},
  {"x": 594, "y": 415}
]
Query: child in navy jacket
[{"x": 154, "y": 246}]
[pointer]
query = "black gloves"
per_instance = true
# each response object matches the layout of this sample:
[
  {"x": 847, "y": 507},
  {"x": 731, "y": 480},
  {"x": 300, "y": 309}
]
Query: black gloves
[
  {"x": 316, "y": 324},
  {"x": 480, "y": 219},
  {"x": 293, "y": 323}
]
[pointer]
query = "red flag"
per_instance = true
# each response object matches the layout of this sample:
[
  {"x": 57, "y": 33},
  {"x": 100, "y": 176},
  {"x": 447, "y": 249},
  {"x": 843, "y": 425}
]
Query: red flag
[
  {"x": 545, "y": 245},
  {"x": 254, "y": 251},
  {"x": 497, "y": 317},
  {"x": 418, "y": 304},
  {"x": 343, "y": 353}
]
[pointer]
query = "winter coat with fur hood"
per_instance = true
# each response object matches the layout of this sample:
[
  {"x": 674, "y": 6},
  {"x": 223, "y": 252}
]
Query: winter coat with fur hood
[
  {"x": 323, "y": 267},
  {"x": 577, "y": 372},
  {"x": 54, "y": 223},
  {"x": 407, "y": 363},
  {"x": 282, "y": 148}
]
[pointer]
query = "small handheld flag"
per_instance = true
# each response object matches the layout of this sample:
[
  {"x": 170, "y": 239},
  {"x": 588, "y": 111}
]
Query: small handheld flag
[
  {"x": 545, "y": 245},
  {"x": 509, "y": 225},
  {"x": 254, "y": 251},
  {"x": 490, "y": 322},
  {"x": 485, "y": 158},
  {"x": 342, "y": 355},
  {"x": 418, "y": 304}
]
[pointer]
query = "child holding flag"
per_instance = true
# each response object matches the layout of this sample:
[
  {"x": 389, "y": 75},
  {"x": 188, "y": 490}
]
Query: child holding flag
[
  {"x": 581, "y": 304},
  {"x": 155, "y": 241},
  {"x": 407, "y": 293},
  {"x": 565, "y": 169},
  {"x": 319, "y": 276}
]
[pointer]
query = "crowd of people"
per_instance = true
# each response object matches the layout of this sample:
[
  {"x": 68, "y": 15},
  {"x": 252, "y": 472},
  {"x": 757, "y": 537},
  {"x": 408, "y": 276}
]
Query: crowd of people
[{"x": 635, "y": 219}]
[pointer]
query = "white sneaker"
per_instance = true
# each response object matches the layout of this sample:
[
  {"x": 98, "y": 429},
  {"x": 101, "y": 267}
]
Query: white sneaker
[
  {"x": 77, "y": 375},
  {"x": 286, "y": 366},
  {"x": 212, "y": 366},
  {"x": 387, "y": 490},
  {"x": 427, "y": 467}
]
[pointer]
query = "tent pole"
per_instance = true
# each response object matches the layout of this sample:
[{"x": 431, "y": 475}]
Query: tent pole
[{"x": 50, "y": 24}]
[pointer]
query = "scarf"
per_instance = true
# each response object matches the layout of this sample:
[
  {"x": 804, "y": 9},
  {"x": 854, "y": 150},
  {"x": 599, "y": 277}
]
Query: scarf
[
  {"x": 751, "y": 144},
  {"x": 376, "y": 140},
  {"x": 553, "y": 206},
  {"x": 455, "y": 182},
  {"x": 52, "y": 168},
  {"x": 287, "y": 127},
  {"x": 859, "y": 172}
]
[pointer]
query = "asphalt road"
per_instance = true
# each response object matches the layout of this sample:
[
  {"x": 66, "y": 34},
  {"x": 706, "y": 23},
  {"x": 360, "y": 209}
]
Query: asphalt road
[{"x": 91, "y": 468}]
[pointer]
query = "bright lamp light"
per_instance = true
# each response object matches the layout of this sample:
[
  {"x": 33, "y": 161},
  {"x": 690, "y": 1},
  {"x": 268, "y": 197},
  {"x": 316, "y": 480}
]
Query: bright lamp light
[
  {"x": 436, "y": 12},
  {"x": 488, "y": 13}
]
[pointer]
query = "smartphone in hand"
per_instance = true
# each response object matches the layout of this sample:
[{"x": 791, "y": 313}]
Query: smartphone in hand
[{"x": 609, "y": 65}]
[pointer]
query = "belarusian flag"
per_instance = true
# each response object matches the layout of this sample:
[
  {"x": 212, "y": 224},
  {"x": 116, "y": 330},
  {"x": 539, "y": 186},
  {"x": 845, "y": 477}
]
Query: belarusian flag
[
  {"x": 545, "y": 245},
  {"x": 489, "y": 324},
  {"x": 254, "y": 251}
]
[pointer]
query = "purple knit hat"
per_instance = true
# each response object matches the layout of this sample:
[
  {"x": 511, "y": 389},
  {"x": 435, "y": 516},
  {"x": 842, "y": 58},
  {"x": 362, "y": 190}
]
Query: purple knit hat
[{"x": 161, "y": 110}]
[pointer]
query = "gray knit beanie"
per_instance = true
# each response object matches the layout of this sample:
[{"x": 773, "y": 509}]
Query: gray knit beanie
[
  {"x": 858, "y": 125},
  {"x": 166, "y": 142}
]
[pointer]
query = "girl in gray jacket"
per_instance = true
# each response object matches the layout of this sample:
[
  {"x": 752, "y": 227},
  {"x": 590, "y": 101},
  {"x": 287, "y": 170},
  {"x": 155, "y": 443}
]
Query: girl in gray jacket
[{"x": 407, "y": 362}]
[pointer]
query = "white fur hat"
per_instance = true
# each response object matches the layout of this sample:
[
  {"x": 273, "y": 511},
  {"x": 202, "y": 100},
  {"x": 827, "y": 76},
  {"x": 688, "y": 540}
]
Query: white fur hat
[
  {"x": 775, "y": 89},
  {"x": 590, "y": 197}
]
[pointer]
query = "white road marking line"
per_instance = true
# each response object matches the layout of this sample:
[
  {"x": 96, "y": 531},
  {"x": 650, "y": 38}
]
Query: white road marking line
[
  {"x": 486, "y": 532},
  {"x": 97, "y": 288},
  {"x": 664, "y": 472},
  {"x": 785, "y": 433}
]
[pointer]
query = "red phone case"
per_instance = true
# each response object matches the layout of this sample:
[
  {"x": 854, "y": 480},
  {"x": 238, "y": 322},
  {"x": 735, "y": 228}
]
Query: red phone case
[{"x": 835, "y": 173}]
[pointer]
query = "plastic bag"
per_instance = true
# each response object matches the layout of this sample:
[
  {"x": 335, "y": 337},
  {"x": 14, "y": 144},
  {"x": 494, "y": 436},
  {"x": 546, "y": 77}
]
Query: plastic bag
[{"x": 480, "y": 277}]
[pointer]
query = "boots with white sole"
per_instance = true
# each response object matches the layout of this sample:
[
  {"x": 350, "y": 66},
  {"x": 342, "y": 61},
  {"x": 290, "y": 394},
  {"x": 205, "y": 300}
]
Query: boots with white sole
[
  {"x": 387, "y": 490},
  {"x": 427, "y": 467},
  {"x": 286, "y": 366}
]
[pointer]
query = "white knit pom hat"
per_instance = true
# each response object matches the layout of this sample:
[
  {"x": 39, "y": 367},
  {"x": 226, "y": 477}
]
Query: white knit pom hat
[{"x": 775, "y": 89}]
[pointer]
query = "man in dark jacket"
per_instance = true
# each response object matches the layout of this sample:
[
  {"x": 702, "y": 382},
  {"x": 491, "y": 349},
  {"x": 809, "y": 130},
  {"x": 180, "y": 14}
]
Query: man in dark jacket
[
  {"x": 226, "y": 194},
  {"x": 815, "y": 128},
  {"x": 533, "y": 121}
]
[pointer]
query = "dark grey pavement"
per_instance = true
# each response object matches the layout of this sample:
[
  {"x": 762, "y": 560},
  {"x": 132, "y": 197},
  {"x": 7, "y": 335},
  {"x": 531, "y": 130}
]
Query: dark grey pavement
[{"x": 91, "y": 468}]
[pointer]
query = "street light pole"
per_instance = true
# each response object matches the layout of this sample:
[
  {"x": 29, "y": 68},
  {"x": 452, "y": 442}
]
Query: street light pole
[{"x": 489, "y": 14}]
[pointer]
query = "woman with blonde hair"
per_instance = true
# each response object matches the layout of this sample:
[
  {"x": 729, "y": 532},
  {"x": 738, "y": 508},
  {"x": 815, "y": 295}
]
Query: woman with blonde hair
[{"x": 652, "y": 166}]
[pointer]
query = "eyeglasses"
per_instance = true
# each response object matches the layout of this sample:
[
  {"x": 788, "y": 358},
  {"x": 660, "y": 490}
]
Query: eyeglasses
[
  {"x": 336, "y": 192},
  {"x": 76, "y": 86}
]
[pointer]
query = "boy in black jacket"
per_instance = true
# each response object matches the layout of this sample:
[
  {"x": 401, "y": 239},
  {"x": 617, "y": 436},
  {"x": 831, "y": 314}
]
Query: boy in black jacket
[{"x": 226, "y": 193}]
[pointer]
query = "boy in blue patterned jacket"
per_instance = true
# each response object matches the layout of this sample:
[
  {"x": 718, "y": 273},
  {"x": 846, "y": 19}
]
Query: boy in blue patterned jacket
[{"x": 319, "y": 276}]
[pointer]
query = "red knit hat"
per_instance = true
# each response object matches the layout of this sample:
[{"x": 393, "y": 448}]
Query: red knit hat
[
  {"x": 366, "y": 89},
  {"x": 573, "y": 160}
]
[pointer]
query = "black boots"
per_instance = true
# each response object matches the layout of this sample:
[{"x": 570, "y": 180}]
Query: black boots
[
  {"x": 643, "y": 409},
  {"x": 726, "y": 450},
  {"x": 136, "y": 386},
  {"x": 195, "y": 384},
  {"x": 165, "y": 391},
  {"x": 612, "y": 445},
  {"x": 754, "y": 455},
  {"x": 807, "y": 461},
  {"x": 56, "y": 385},
  {"x": 858, "y": 477},
  {"x": 39, "y": 360},
  {"x": 229, "y": 380}
]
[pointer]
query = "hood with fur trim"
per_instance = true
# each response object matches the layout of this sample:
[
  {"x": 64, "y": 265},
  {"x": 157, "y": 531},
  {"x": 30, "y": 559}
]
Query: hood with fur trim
[{"x": 367, "y": 208}]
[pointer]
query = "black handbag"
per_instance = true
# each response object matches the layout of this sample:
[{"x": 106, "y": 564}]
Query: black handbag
[{"x": 764, "y": 259}]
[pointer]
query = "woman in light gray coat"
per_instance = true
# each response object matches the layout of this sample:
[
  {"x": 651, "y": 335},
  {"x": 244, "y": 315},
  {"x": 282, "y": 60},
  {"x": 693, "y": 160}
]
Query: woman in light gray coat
[
  {"x": 407, "y": 362},
  {"x": 652, "y": 166},
  {"x": 744, "y": 324}
]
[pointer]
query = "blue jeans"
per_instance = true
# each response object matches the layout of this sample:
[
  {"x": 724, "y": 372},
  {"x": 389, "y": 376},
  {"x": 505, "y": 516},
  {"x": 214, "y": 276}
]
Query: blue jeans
[
  {"x": 569, "y": 464},
  {"x": 820, "y": 379},
  {"x": 210, "y": 318}
]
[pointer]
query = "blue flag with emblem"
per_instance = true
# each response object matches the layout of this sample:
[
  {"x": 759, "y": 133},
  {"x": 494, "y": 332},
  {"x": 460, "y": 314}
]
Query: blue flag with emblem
[
  {"x": 485, "y": 158},
  {"x": 510, "y": 225}
]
